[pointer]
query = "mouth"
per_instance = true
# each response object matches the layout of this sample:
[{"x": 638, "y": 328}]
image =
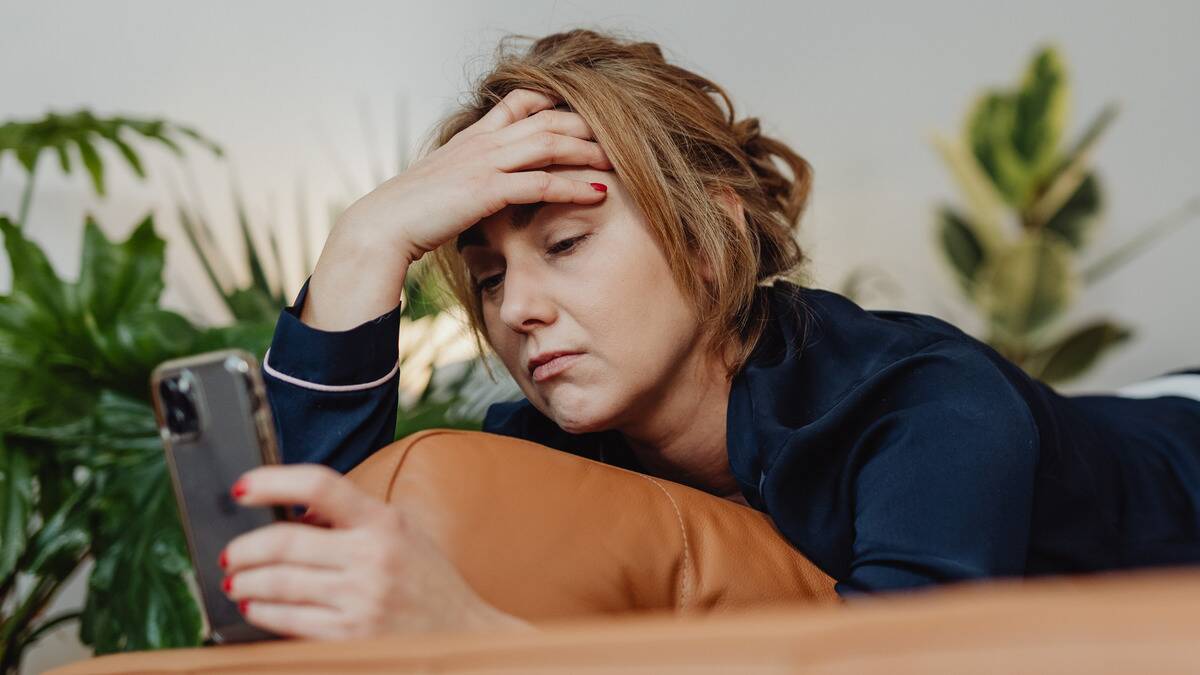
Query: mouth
[{"x": 547, "y": 366}]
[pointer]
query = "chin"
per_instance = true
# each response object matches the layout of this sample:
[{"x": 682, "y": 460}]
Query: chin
[{"x": 579, "y": 414}]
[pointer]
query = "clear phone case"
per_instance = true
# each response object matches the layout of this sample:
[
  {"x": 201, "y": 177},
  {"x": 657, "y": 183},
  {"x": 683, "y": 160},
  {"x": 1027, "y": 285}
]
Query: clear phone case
[{"x": 216, "y": 424}]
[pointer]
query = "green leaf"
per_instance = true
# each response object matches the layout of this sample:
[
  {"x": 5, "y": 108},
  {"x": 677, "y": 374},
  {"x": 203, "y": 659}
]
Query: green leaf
[
  {"x": 1125, "y": 252},
  {"x": 258, "y": 277},
  {"x": 16, "y": 499},
  {"x": 1075, "y": 220},
  {"x": 62, "y": 541},
  {"x": 192, "y": 230},
  {"x": 252, "y": 304},
  {"x": 1015, "y": 134},
  {"x": 991, "y": 126},
  {"x": 429, "y": 415},
  {"x": 121, "y": 278},
  {"x": 34, "y": 282},
  {"x": 962, "y": 248},
  {"x": 985, "y": 203},
  {"x": 1076, "y": 353},
  {"x": 1064, "y": 180},
  {"x": 28, "y": 139},
  {"x": 1026, "y": 285},
  {"x": 1042, "y": 107},
  {"x": 131, "y": 157},
  {"x": 64, "y": 158},
  {"x": 91, "y": 160},
  {"x": 138, "y": 597},
  {"x": 253, "y": 336}
]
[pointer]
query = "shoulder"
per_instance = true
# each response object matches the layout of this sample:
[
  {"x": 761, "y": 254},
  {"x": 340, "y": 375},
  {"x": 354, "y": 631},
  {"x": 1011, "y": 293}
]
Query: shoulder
[{"x": 823, "y": 359}]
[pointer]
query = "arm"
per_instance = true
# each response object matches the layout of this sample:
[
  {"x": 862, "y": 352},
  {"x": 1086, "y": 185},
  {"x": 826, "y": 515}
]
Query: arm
[
  {"x": 332, "y": 393},
  {"x": 945, "y": 488}
]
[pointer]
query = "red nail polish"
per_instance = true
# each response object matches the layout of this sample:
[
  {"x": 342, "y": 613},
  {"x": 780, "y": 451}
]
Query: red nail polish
[
  {"x": 223, "y": 561},
  {"x": 242, "y": 605},
  {"x": 238, "y": 489},
  {"x": 599, "y": 186},
  {"x": 227, "y": 584}
]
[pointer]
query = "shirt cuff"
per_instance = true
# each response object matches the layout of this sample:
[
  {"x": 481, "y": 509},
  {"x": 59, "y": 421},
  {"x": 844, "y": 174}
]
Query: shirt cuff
[{"x": 354, "y": 359}]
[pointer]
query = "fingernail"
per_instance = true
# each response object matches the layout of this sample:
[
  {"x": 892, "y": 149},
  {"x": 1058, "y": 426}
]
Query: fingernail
[
  {"x": 227, "y": 584},
  {"x": 242, "y": 604},
  {"x": 600, "y": 187},
  {"x": 223, "y": 561},
  {"x": 238, "y": 489}
]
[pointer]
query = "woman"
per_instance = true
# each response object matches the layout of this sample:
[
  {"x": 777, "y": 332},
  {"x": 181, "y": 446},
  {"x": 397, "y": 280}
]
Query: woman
[{"x": 625, "y": 246}]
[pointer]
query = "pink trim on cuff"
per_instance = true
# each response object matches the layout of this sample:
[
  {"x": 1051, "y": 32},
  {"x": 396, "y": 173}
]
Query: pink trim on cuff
[{"x": 325, "y": 387}]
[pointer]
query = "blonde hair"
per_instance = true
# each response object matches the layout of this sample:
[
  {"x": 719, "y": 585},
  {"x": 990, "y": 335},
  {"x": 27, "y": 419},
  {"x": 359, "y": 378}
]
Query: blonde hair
[{"x": 675, "y": 149}]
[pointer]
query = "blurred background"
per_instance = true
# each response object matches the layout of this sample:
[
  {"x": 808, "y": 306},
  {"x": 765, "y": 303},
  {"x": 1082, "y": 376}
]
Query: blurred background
[{"x": 1023, "y": 170}]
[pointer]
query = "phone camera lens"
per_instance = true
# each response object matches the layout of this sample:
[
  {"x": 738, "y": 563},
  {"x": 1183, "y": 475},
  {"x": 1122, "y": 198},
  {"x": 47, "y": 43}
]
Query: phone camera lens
[{"x": 177, "y": 398}]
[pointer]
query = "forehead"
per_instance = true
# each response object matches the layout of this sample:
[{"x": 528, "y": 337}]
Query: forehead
[{"x": 519, "y": 216}]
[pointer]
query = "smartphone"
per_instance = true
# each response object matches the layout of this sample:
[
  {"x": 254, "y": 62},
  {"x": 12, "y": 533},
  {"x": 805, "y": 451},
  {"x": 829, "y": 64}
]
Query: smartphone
[{"x": 216, "y": 424}]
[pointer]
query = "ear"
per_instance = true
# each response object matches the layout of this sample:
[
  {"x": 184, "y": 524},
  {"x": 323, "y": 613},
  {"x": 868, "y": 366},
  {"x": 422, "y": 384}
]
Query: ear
[{"x": 733, "y": 206}]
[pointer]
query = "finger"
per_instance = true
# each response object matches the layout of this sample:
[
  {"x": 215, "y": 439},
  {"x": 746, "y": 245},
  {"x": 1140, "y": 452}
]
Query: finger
[
  {"x": 326, "y": 492},
  {"x": 292, "y": 543},
  {"x": 311, "y": 517},
  {"x": 556, "y": 121},
  {"x": 546, "y": 148},
  {"x": 527, "y": 187},
  {"x": 287, "y": 583},
  {"x": 515, "y": 106},
  {"x": 302, "y": 621}
]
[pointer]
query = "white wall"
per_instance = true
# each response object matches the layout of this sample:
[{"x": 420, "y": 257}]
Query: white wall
[{"x": 856, "y": 87}]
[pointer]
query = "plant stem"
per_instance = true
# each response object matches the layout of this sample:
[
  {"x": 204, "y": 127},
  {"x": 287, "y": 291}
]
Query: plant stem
[
  {"x": 46, "y": 627},
  {"x": 26, "y": 198},
  {"x": 44, "y": 590}
]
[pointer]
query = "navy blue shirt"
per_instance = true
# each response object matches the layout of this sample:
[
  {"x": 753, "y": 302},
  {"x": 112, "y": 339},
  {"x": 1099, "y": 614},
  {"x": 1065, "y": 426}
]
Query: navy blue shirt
[{"x": 890, "y": 448}]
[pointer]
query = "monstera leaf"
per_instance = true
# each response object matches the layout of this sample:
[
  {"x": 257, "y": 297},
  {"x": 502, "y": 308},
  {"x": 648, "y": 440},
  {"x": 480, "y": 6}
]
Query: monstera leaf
[{"x": 83, "y": 131}]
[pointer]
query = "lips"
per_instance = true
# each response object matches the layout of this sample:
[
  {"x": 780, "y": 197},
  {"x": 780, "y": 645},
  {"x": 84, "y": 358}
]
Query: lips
[{"x": 544, "y": 366}]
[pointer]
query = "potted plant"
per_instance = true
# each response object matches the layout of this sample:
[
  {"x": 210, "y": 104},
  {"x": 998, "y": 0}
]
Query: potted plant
[{"x": 82, "y": 471}]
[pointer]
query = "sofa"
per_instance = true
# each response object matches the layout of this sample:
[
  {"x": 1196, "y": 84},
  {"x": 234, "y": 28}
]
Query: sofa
[{"x": 624, "y": 572}]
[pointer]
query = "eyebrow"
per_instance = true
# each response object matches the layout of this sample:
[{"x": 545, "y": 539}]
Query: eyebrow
[{"x": 522, "y": 216}]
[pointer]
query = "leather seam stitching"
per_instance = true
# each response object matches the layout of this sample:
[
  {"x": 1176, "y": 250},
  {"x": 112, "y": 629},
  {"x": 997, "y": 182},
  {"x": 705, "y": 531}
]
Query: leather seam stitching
[
  {"x": 424, "y": 433},
  {"x": 684, "y": 586}
]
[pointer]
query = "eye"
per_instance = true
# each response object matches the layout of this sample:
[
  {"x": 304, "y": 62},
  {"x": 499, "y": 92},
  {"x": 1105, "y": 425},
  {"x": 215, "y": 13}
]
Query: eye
[
  {"x": 488, "y": 284},
  {"x": 565, "y": 245}
]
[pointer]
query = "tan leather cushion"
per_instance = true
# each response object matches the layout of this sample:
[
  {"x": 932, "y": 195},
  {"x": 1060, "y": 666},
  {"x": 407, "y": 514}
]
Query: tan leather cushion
[
  {"x": 1143, "y": 623},
  {"x": 544, "y": 534}
]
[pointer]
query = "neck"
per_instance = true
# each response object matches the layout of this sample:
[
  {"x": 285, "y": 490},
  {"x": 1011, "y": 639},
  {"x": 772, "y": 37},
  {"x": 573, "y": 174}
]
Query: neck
[{"x": 682, "y": 438}]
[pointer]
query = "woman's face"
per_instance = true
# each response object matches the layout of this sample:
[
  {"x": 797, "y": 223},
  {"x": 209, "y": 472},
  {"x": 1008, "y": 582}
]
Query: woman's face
[{"x": 588, "y": 279}]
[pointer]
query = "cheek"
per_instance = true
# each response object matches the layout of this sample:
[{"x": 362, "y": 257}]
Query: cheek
[
  {"x": 637, "y": 319},
  {"x": 505, "y": 342}
]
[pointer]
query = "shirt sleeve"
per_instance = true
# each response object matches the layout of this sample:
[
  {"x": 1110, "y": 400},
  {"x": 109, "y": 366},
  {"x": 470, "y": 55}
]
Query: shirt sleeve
[
  {"x": 945, "y": 481},
  {"x": 333, "y": 394}
]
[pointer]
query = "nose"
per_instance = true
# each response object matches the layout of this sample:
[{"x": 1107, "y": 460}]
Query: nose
[{"x": 525, "y": 301}]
